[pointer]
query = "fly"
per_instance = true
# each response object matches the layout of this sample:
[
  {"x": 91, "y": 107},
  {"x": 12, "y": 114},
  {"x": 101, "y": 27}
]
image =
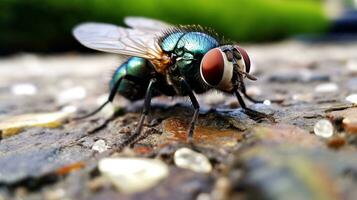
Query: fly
[{"x": 169, "y": 60}]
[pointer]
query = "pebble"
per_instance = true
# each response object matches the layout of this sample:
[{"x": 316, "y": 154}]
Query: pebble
[
  {"x": 75, "y": 93},
  {"x": 267, "y": 102},
  {"x": 352, "y": 98},
  {"x": 69, "y": 109},
  {"x": 189, "y": 159},
  {"x": 307, "y": 97},
  {"x": 349, "y": 119},
  {"x": 352, "y": 66},
  {"x": 100, "y": 146},
  {"x": 323, "y": 128},
  {"x": 13, "y": 125},
  {"x": 24, "y": 89},
  {"x": 215, "y": 98},
  {"x": 254, "y": 91},
  {"x": 326, "y": 87},
  {"x": 56, "y": 194},
  {"x": 131, "y": 175},
  {"x": 336, "y": 142}
]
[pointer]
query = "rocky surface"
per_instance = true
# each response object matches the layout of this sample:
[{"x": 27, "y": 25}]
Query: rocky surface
[{"x": 233, "y": 157}]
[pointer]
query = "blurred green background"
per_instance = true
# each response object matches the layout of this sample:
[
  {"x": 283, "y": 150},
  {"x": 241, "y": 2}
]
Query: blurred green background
[{"x": 45, "y": 25}]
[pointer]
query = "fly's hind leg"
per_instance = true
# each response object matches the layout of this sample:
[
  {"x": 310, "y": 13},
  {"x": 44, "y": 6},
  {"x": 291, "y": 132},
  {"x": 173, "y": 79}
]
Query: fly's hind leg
[
  {"x": 111, "y": 96},
  {"x": 110, "y": 99}
]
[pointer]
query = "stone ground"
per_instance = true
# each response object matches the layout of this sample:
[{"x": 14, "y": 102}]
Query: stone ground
[{"x": 249, "y": 159}]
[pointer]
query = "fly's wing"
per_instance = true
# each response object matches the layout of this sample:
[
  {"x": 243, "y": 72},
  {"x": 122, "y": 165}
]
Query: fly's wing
[
  {"x": 120, "y": 40},
  {"x": 147, "y": 24}
]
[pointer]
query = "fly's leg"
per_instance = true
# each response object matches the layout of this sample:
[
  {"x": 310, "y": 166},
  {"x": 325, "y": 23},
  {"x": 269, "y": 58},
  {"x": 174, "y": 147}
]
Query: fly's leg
[
  {"x": 111, "y": 96},
  {"x": 255, "y": 115},
  {"x": 144, "y": 114},
  {"x": 244, "y": 91},
  {"x": 195, "y": 105}
]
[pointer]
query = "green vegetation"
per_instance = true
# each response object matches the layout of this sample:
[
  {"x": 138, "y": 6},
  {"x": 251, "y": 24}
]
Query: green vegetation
[{"x": 45, "y": 25}]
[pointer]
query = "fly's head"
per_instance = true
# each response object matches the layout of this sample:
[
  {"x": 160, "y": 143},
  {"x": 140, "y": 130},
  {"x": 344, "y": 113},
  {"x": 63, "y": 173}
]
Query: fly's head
[{"x": 225, "y": 67}]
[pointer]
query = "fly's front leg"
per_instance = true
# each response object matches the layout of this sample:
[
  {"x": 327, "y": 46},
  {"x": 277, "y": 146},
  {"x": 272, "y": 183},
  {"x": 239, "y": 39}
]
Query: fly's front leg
[
  {"x": 255, "y": 115},
  {"x": 195, "y": 105},
  {"x": 244, "y": 91},
  {"x": 144, "y": 113}
]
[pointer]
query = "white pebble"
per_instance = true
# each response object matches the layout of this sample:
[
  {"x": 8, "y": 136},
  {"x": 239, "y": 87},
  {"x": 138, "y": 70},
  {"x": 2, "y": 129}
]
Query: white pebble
[
  {"x": 100, "y": 146},
  {"x": 189, "y": 159},
  {"x": 71, "y": 94},
  {"x": 24, "y": 89},
  {"x": 323, "y": 128},
  {"x": 326, "y": 87},
  {"x": 69, "y": 109},
  {"x": 352, "y": 98},
  {"x": 267, "y": 102},
  {"x": 254, "y": 91},
  {"x": 130, "y": 175},
  {"x": 352, "y": 66}
]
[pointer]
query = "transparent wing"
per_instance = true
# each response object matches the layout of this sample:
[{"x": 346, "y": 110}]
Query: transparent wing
[
  {"x": 120, "y": 40},
  {"x": 146, "y": 24}
]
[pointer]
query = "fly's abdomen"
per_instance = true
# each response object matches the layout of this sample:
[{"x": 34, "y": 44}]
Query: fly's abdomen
[{"x": 138, "y": 68}]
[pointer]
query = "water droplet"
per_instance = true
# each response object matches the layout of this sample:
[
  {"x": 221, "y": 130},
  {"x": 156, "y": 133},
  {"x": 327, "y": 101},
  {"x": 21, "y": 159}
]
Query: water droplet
[
  {"x": 189, "y": 159},
  {"x": 326, "y": 87},
  {"x": 24, "y": 89},
  {"x": 130, "y": 175},
  {"x": 100, "y": 146},
  {"x": 323, "y": 128},
  {"x": 352, "y": 98}
]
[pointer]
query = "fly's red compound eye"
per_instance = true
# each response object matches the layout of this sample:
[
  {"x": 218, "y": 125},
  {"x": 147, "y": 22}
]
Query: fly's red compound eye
[
  {"x": 212, "y": 67},
  {"x": 246, "y": 58}
]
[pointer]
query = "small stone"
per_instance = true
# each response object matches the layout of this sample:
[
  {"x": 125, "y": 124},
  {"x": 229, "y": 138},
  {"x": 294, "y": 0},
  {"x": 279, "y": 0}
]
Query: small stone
[
  {"x": 352, "y": 66},
  {"x": 254, "y": 91},
  {"x": 75, "y": 93},
  {"x": 215, "y": 98},
  {"x": 349, "y": 119},
  {"x": 13, "y": 125},
  {"x": 100, "y": 146},
  {"x": 336, "y": 142},
  {"x": 189, "y": 159},
  {"x": 326, "y": 87},
  {"x": 69, "y": 109},
  {"x": 24, "y": 89},
  {"x": 267, "y": 102},
  {"x": 350, "y": 124},
  {"x": 56, "y": 194},
  {"x": 352, "y": 98},
  {"x": 108, "y": 110},
  {"x": 131, "y": 175},
  {"x": 308, "y": 97},
  {"x": 323, "y": 128}
]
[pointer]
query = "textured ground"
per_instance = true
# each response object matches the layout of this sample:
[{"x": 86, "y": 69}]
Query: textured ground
[{"x": 249, "y": 159}]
